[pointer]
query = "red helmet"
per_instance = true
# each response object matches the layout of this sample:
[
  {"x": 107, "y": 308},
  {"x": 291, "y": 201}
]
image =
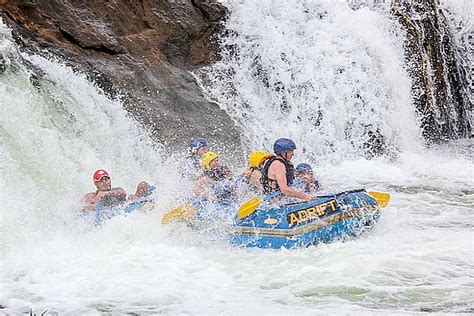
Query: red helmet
[{"x": 99, "y": 174}]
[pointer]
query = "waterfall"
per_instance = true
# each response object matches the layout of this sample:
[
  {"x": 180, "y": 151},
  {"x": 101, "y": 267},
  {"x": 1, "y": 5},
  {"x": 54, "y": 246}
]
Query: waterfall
[
  {"x": 433, "y": 59},
  {"x": 326, "y": 74},
  {"x": 459, "y": 16}
]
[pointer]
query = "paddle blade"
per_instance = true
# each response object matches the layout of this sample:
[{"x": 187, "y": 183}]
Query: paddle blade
[
  {"x": 186, "y": 211},
  {"x": 248, "y": 207},
  {"x": 382, "y": 197}
]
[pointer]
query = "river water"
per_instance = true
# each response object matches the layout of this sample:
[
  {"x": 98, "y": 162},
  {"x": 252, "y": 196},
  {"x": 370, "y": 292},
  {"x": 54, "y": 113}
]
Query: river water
[{"x": 321, "y": 74}]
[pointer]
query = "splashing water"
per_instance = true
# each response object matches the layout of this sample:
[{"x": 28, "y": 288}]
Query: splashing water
[
  {"x": 340, "y": 74},
  {"x": 321, "y": 73},
  {"x": 56, "y": 129}
]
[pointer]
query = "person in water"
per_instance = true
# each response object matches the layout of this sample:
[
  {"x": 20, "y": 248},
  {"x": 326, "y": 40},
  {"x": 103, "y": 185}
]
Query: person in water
[
  {"x": 197, "y": 148},
  {"x": 109, "y": 196},
  {"x": 304, "y": 173},
  {"x": 213, "y": 175},
  {"x": 253, "y": 173},
  {"x": 278, "y": 172}
]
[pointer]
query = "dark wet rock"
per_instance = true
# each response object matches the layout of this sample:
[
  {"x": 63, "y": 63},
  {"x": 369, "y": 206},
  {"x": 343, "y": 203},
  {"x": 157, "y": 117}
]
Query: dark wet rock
[
  {"x": 138, "y": 51},
  {"x": 439, "y": 84},
  {"x": 3, "y": 65}
]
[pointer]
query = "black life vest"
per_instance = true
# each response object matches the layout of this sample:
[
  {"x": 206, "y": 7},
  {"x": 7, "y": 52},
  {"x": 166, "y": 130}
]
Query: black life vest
[
  {"x": 270, "y": 185},
  {"x": 222, "y": 188},
  {"x": 220, "y": 173}
]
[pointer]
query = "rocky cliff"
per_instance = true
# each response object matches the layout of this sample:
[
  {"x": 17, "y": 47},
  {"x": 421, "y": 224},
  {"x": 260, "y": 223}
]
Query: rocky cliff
[
  {"x": 140, "y": 51},
  {"x": 440, "y": 85}
]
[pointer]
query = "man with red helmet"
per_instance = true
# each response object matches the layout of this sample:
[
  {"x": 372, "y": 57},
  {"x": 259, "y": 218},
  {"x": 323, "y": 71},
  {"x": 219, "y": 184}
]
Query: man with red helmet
[
  {"x": 106, "y": 194},
  {"x": 110, "y": 196}
]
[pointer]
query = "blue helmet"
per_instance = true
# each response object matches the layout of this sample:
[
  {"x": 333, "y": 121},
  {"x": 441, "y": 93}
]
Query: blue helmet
[
  {"x": 197, "y": 143},
  {"x": 303, "y": 167},
  {"x": 283, "y": 145}
]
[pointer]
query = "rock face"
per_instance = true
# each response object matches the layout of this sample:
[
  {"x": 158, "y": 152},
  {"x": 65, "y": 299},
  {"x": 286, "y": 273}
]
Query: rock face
[
  {"x": 141, "y": 51},
  {"x": 440, "y": 85}
]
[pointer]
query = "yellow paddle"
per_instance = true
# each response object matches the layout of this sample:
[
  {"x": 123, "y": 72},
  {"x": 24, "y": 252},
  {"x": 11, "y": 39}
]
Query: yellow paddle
[
  {"x": 382, "y": 197},
  {"x": 185, "y": 211},
  {"x": 249, "y": 206}
]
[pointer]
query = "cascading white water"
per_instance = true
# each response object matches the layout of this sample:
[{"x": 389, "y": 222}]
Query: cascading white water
[
  {"x": 318, "y": 72},
  {"x": 459, "y": 15},
  {"x": 56, "y": 129},
  {"x": 339, "y": 75}
]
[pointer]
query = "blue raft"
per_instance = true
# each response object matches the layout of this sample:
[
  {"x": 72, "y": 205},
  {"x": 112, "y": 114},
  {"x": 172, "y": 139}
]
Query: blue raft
[
  {"x": 144, "y": 204},
  {"x": 322, "y": 220},
  {"x": 103, "y": 214}
]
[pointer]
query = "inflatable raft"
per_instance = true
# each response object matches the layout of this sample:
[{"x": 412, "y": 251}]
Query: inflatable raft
[
  {"x": 103, "y": 214},
  {"x": 324, "y": 219}
]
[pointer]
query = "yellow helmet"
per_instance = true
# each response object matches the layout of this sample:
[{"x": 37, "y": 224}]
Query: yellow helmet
[
  {"x": 207, "y": 158},
  {"x": 256, "y": 158}
]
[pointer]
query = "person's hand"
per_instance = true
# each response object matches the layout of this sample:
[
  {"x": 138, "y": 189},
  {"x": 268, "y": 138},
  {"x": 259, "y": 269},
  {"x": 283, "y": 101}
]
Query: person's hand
[
  {"x": 88, "y": 207},
  {"x": 133, "y": 197},
  {"x": 142, "y": 189},
  {"x": 308, "y": 197}
]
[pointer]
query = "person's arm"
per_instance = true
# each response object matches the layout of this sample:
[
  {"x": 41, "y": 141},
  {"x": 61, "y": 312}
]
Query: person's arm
[
  {"x": 201, "y": 186},
  {"x": 142, "y": 191},
  {"x": 89, "y": 202},
  {"x": 314, "y": 184},
  {"x": 279, "y": 171},
  {"x": 255, "y": 178},
  {"x": 227, "y": 172}
]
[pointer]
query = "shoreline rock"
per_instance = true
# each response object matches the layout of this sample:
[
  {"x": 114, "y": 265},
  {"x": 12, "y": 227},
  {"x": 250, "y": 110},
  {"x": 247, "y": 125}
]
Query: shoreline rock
[{"x": 140, "y": 52}]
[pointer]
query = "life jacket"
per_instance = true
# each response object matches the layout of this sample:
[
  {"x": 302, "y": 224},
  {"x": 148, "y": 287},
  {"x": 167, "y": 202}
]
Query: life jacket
[
  {"x": 270, "y": 185},
  {"x": 220, "y": 173},
  {"x": 311, "y": 186},
  {"x": 222, "y": 188}
]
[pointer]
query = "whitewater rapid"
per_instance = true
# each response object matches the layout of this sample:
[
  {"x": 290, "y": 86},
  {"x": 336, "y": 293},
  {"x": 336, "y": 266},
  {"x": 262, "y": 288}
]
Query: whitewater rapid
[{"x": 57, "y": 128}]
